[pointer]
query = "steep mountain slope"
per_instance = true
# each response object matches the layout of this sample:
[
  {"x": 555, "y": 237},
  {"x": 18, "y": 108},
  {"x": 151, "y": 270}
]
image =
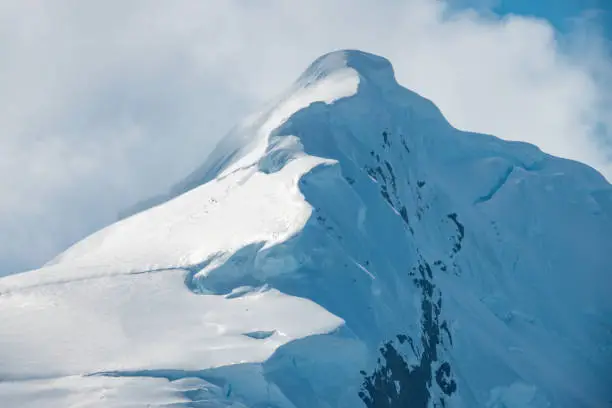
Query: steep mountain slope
[{"x": 345, "y": 247}]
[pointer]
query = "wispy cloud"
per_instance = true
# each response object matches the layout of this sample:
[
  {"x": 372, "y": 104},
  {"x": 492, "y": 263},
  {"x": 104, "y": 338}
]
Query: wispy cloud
[{"x": 106, "y": 103}]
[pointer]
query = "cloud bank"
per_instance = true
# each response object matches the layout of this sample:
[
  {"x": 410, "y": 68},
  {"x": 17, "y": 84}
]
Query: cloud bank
[{"x": 106, "y": 103}]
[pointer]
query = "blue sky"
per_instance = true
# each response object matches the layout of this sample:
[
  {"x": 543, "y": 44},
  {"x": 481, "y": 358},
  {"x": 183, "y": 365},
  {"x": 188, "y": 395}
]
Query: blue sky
[{"x": 560, "y": 13}]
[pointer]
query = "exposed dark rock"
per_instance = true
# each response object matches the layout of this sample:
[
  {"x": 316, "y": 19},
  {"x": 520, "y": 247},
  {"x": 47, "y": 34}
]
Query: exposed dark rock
[
  {"x": 405, "y": 146},
  {"x": 385, "y": 195},
  {"x": 395, "y": 383},
  {"x": 386, "y": 141},
  {"x": 393, "y": 184},
  {"x": 404, "y": 214},
  {"x": 460, "y": 229},
  {"x": 382, "y": 175}
]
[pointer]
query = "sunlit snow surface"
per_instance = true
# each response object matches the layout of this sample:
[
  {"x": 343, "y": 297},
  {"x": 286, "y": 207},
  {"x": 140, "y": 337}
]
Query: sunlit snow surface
[{"x": 345, "y": 247}]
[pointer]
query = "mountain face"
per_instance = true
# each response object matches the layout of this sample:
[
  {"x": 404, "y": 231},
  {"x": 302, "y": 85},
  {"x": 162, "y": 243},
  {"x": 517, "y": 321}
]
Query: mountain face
[{"x": 345, "y": 247}]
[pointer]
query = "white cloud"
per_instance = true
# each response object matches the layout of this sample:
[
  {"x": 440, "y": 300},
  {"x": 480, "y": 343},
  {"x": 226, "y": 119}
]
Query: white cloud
[{"x": 105, "y": 103}]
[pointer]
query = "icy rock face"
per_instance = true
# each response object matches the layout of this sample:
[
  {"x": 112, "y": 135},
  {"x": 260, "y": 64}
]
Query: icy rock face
[{"x": 345, "y": 247}]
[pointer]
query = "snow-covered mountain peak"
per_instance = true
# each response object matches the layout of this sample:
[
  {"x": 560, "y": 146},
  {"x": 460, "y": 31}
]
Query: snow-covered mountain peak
[
  {"x": 369, "y": 67},
  {"x": 333, "y": 77},
  {"x": 344, "y": 247},
  {"x": 365, "y": 80}
]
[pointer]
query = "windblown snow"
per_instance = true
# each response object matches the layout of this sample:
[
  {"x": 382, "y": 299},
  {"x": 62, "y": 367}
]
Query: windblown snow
[{"x": 344, "y": 247}]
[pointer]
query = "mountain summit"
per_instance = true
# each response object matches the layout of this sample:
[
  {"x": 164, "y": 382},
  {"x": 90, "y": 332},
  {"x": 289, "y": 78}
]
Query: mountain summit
[
  {"x": 369, "y": 67},
  {"x": 344, "y": 247}
]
